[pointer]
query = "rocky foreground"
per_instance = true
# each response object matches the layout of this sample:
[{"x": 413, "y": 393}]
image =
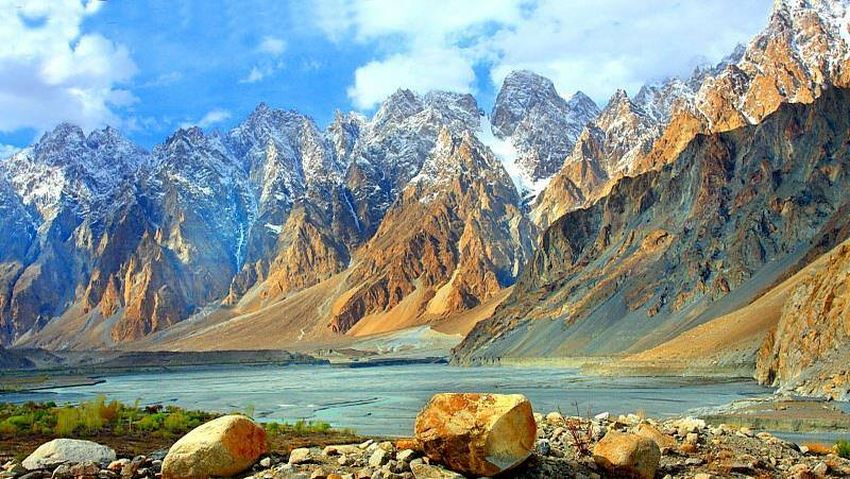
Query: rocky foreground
[{"x": 458, "y": 436}]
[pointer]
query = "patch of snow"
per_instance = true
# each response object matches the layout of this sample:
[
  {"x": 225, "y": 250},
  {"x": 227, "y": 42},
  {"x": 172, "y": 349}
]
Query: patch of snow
[
  {"x": 507, "y": 154},
  {"x": 276, "y": 229}
]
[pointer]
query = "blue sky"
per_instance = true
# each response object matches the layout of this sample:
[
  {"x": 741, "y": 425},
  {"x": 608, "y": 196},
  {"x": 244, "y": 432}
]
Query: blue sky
[{"x": 149, "y": 67}]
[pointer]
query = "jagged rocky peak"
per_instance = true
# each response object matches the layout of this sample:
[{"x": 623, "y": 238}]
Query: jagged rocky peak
[
  {"x": 457, "y": 110},
  {"x": 524, "y": 92},
  {"x": 457, "y": 156},
  {"x": 401, "y": 104},
  {"x": 540, "y": 125},
  {"x": 521, "y": 91},
  {"x": 344, "y": 133}
]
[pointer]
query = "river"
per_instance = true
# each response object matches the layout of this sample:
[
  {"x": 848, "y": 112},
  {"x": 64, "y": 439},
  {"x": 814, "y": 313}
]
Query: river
[{"x": 384, "y": 400}]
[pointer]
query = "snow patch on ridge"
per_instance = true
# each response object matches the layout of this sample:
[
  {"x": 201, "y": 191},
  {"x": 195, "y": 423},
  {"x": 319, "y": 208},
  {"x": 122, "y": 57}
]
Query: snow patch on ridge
[{"x": 507, "y": 154}]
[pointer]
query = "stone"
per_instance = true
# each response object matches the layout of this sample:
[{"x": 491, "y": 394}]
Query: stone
[
  {"x": 379, "y": 458},
  {"x": 300, "y": 455},
  {"x": 337, "y": 450},
  {"x": 543, "y": 447},
  {"x": 319, "y": 473},
  {"x": 60, "y": 451},
  {"x": 627, "y": 455},
  {"x": 426, "y": 471},
  {"x": 477, "y": 434},
  {"x": 821, "y": 469},
  {"x": 703, "y": 475},
  {"x": 800, "y": 471},
  {"x": 692, "y": 438},
  {"x": 118, "y": 464},
  {"x": 664, "y": 442},
  {"x": 406, "y": 455},
  {"x": 266, "y": 462},
  {"x": 689, "y": 448},
  {"x": 407, "y": 443},
  {"x": 688, "y": 424},
  {"x": 222, "y": 447},
  {"x": 555, "y": 419}
]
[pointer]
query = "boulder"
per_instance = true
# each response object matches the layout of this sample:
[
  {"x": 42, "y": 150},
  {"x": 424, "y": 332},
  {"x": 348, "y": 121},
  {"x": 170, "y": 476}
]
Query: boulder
[
  {"x": 477, "y": 434},
  {"x": 71, "y": 451},
  {"x": 627, "y": 455},
  {"x": 222, "y": 447},
  {"x": 665, "y": 442}
]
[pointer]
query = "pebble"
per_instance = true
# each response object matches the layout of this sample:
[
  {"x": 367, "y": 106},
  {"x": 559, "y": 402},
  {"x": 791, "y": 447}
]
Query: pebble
[
  {"x": 378, "y": 458},
  {"x": 300, "y": 456}
]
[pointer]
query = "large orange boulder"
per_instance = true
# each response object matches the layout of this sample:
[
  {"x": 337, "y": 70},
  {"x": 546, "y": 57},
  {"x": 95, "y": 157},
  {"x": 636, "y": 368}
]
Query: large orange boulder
[
  {"x": 477, "y": 434},
  {"x": 627, "y": 455},
  {"x": 222, "y": 447}
]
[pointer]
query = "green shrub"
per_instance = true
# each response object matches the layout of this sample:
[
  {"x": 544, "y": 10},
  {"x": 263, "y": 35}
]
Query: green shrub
[
  {"x": 177, "y": 422},
  {"x": 151, "y": 423},
  {"x": 7, "y": 428},
  {"x": 842, "y": 448},
  {"x": 67, "y": 421}
]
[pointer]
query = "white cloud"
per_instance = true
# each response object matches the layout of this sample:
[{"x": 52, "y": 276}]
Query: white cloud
[
  {"x": 424, "y": 70},
  {"x": 50, "y": 71},
  {"x": 595, "y": 47},
  {"x": 212, "y": 117},
  {"x": 272, "y": 46},
  {"x": 254, "y": 76},
  {"x": 432, "y": 44},
  {"x": 269, "y": 47},
  {"x": 600, "y": 46},
  {"x": 163, "y": 80}
]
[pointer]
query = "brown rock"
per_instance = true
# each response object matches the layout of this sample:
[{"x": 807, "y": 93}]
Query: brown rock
[
  {"x": 477, "y": 434},
  {"x": 222, "y": 447},
  {"x": 627, "y": 455},
  {"x": 408, "y": 443},
  {"x": 663, "y": 441}
]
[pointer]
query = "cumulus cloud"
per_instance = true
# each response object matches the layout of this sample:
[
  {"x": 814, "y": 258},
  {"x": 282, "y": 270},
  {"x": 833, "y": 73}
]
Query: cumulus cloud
[
  {"x": 595, "y": 47},
  {"x": 269, "y": 48},
  {"x": 434, "y": 46},
  {"x": 212, "y": 117},
  {"x": 422, "y": 70},
  {"x": 50, "y": 71}
]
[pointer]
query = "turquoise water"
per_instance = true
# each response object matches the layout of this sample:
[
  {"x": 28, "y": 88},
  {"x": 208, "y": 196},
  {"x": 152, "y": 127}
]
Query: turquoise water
[{"x": 384, "y": 400}]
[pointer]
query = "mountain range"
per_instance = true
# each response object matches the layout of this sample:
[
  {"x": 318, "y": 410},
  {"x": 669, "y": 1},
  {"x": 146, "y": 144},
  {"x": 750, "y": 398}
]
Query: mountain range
[{"x": 546, "y": 228}]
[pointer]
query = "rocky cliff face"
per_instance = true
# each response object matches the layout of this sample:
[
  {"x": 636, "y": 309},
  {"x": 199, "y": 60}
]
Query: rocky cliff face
[
  {"x": 616, "y": 142},
  {"x": 669, "y": 249},
  {"x": 605, "y": 151},
  {"x": 809, "y": 349},
  {"x": 456, "y": 236},
  {"x": 422, "y": 211},
  {"x": 130, "y": 243},
  {"x": 803, "y": 50}
]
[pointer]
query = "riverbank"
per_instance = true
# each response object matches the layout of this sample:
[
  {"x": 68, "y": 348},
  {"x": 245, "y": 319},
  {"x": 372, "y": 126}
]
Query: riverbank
[{"x": 565, "y": 446}]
